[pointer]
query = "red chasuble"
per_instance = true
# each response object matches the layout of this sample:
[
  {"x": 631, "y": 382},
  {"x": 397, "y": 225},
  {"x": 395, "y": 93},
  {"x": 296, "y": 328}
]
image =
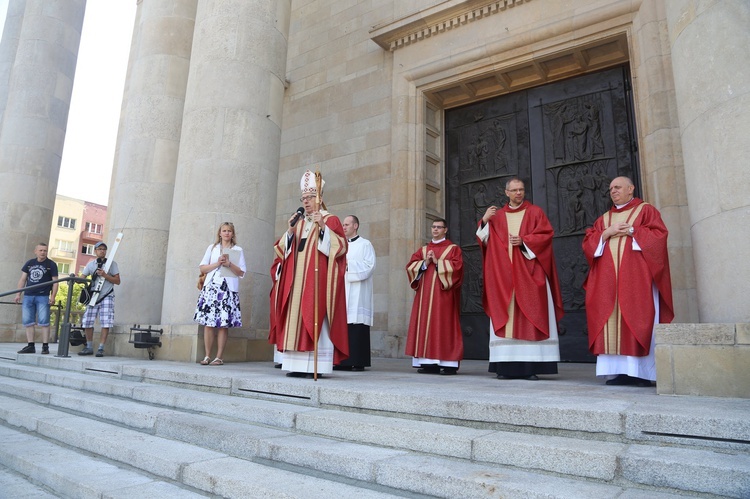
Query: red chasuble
[
  {"x": 619, "y": 299},
  {"x": 526, "y": 278},
  {"x": 434, "y": 327},
  {"x": 293, "y": 295}
]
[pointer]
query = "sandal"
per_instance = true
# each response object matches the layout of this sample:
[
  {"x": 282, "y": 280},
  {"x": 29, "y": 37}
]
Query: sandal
[
  {"x": 206, "y": 361},
  {"x": 217, "y": 362}
]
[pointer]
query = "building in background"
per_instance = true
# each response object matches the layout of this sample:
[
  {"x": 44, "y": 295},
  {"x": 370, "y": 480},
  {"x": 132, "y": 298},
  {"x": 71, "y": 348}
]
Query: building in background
[
  {"x": 91, "y": 232},
  {"x": 77, "y": 226}
]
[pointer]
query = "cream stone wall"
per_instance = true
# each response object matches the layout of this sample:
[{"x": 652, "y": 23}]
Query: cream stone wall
[
  {"x": 145, "y": 163},
  {"x": 337, "y": 114},
  {"x": 37, "y": 57},
  {"x": 661, "y": 150},
  {"x": 711, "y": 64},
  {"x": 371, "y": 115},
  {"x": 227, "y": 167}
]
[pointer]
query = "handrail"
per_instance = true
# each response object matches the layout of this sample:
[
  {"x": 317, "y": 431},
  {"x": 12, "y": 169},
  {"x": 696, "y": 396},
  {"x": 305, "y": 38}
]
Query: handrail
[
  {"x": 71, "y": 277},
  {"x": 64, "y": 342}
]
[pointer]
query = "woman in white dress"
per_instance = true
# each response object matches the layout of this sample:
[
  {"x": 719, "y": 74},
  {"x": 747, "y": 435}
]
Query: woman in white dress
[{"x": 218, "y": 306}]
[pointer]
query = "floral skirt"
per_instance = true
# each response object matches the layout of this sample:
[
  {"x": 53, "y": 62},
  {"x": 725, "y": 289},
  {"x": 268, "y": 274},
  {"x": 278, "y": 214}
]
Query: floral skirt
[{"x": 217, "y": 306}]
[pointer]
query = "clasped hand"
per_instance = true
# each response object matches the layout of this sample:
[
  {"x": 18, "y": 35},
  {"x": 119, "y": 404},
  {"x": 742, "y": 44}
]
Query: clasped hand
[
  {"x": 431, "y": 257},
  {"x": 617, "y": 230}
]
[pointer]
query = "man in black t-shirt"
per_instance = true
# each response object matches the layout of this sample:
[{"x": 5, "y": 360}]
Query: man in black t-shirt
[{"x": 36, "y": 302}]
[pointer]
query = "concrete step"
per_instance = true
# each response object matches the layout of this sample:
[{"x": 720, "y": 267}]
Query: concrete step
[
  {"x": 611, "y": 415},
  {"x": 70, "y": 473},
  {"x": 158, "y": 459},
  {"x": 59, "y": 458},
  {"x": 18, "y": 486},
  {"x": 595, "y": 459}
]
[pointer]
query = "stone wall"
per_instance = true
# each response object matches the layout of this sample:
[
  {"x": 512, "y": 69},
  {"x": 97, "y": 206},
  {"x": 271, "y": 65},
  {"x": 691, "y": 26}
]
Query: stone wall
[
  {"x": 703, "y": 359},
  {"x": 368, "y": 86}
]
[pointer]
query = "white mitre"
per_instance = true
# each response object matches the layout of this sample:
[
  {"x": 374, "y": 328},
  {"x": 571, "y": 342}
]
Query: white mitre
[{"x": 307, "y": 184}]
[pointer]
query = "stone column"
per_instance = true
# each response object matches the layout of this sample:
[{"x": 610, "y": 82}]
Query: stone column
[
  {"x": 229, "y": 153},
  {"x": 39, "y": 85},
  {"x": 9, "y": 47},
  {"x": 662, "y": 169},
  {"x": 146, "y": 154},
  {"x": 711, "y": 65}
]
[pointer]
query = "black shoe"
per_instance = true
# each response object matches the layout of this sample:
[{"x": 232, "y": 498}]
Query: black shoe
[
  {"x": 358, "y": 368},
  {"x": 620, "y": 380},
  {"x": 28, "y": 349},
  {"x": 277, "y": 366},
  {"x": 343, "y": 368},
  {"x": 45, "y": 349},
  {"x": 643, "y": 383},
  {"x": 533, "y": 377},
  {"x": 295, "y": 374},
  {"x": 449, "y": 371},
  {"x": 100, "y": 352},
  {"x": 429, "y": 369}
]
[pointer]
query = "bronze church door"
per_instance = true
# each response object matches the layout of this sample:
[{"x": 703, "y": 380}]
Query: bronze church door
[{"x": 566, "y": 140}]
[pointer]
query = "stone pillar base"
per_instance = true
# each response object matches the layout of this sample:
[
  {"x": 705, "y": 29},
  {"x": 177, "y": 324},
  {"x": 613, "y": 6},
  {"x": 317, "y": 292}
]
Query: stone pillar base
[
  {"x": 703, "y": 359},
  {"x": 180, "y": 343}
]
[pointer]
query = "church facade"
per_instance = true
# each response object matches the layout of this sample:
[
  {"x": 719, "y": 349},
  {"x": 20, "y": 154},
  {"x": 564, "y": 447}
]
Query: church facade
[{"x": 417, "y": 109}]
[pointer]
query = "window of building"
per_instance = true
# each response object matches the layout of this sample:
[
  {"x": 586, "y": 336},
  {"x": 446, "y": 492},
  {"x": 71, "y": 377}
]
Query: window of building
[
  {"x": 93, "y": 228},
  {"x": 64, "y": 245},
  {"x": 63, "y": 268},
  {"x": 68, "y": 223},
  {"x": 87, "y": 249}
]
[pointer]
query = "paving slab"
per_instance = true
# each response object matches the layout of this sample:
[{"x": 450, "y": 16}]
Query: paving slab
[
  {"x": 210, "y": 432},
  {"x": 715, "y": 472},
  {"x": 458, "y": 479},
  {"x": 569, "y": 456},
  {"x": 345, "y": 459},
  {"x": 17, "y": 486},
  {"x": 67, "y": 472},
  {"x": 422, "y": 436},
  {"x": 235, "y": 478}
]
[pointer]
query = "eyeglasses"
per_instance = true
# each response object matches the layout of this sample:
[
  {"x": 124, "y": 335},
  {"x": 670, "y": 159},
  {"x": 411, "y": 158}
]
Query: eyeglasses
[
  {"x": 515, "y": 190},
  {"x": 307, "y": 198},
  {"x": 227, "y": 223},
  {"x": 438, "y": 227}
]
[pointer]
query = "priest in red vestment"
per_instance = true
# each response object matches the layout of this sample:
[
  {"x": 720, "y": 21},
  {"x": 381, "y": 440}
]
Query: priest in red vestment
[
  {"x": 313, "y": 240},
  {"x": 435, "y": 272},
  {"x": 521, "y": 292},
  {"x": 628, "y": 288}
]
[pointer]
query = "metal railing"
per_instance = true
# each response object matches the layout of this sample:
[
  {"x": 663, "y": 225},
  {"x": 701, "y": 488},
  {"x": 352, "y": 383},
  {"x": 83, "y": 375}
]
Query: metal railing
[{"x": 64, "y": 343}]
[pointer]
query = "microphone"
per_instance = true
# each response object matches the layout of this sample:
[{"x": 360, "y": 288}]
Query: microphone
[{"x": 297, "y": 216}]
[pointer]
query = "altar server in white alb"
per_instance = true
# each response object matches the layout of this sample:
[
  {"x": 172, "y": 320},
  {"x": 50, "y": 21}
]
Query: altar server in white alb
[{"x": 360, "y": 266}]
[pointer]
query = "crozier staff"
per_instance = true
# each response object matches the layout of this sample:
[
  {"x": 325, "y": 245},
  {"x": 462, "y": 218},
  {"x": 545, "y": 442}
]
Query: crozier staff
[{"x": 316, "y": 241}]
